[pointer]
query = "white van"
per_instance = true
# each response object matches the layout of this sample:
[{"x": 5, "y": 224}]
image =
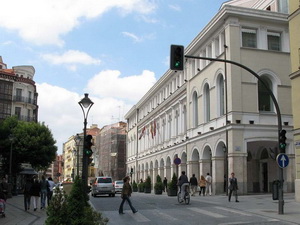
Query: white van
[{"x": 102, "y": 186}]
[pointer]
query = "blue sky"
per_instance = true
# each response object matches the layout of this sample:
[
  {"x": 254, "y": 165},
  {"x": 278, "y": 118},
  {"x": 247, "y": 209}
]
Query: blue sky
[{"x": 114, "y": 50}]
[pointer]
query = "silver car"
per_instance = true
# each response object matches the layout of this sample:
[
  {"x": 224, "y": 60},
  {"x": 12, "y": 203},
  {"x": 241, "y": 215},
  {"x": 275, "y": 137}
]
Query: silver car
[
  {"x": 102, "y": 186},
  {"x": 118, "y": 186}
]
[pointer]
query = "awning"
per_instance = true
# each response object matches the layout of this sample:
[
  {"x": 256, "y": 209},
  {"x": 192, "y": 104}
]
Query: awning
[{"x": 28, "y": 171}]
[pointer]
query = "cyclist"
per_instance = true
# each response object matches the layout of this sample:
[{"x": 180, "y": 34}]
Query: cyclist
[{"x": 183, "y": 181}]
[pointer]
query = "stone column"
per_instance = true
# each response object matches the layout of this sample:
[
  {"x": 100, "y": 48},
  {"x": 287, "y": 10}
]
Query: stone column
[{"x": 218, "y": 175}]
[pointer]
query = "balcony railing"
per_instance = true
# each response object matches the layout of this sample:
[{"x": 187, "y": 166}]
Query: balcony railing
[
  {"x": 18, "y": 98},
  {"x": 26, "y": 118}
]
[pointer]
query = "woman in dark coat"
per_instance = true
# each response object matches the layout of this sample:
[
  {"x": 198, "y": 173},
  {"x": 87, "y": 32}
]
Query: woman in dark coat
[
  {"x": 35, "y": 191},
  {"x": 125, "y": 195}
]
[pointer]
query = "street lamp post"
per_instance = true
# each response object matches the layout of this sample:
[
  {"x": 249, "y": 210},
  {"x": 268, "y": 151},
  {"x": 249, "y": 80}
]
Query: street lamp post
[
  {"x": 11, "y": 138},
  {"x": 77, "y": 141},
  {"x": 85, "y": 105}
]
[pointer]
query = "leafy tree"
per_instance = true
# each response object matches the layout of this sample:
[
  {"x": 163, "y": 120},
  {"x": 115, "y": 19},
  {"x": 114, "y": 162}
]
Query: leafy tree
[
  {"x": 30, "y": 142},
  {"x": 75, "y": 208},
  {"x": 57, "y": 209}
]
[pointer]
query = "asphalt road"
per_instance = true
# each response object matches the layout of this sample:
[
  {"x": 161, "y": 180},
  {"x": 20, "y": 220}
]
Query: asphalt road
[{"x": 161, "y": 209}]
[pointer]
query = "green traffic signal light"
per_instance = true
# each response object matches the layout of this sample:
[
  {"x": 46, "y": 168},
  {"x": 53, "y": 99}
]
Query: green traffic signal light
[
  {"x": 176, "y": 57},
  {"x": 282, "y": 140}
]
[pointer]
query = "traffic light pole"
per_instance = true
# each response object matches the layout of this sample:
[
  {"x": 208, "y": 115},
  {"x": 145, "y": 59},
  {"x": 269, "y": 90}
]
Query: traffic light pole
[
  {"x": 84, "y": 157},
  {"x": 280, "y": 188}
]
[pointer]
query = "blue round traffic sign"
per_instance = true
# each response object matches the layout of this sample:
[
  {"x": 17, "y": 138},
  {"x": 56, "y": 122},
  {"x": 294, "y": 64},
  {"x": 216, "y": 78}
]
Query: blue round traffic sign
[
  {"x": 177, "y": 161},
  {"x": 282, "y": 160}
]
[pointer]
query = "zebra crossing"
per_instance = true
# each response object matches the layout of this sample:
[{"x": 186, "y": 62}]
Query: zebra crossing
[{"x": 189, "y": 215}]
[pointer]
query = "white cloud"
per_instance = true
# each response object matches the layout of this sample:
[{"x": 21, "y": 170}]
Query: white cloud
[
  {"x": 175, "y": 7},
  {"x": 62, "y": 114},
  {"x": 137, "y": 38},
  {"x": 71, "y": 58},
  {"x": 45, "y": 21},
  {"x": 133, "y": 36},
  {"x": 131, "y": 88}
]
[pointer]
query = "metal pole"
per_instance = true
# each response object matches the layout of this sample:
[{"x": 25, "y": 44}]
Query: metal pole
[
  {"x": 84, "y": 158},
  {"x": 10, "y": 162},
  {"x": 77, "y": 172},
  {"x": 280, "y": 194}
]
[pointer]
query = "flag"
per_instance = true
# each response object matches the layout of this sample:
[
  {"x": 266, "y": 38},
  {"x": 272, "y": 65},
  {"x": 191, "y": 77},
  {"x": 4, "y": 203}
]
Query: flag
[
  {"x": 142, "y": 133},
  {"x": 154, "y": 128},
  {"x": 151, "y": 129}
]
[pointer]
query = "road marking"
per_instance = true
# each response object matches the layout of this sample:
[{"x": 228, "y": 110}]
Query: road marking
[
  {"x": 231, "y": 223},
  {"x": 233, "y": 211},
  {"x": 208, "y": 213},
  {"x": 165, "y": 215},
  {"x": 138, "y": 216}
]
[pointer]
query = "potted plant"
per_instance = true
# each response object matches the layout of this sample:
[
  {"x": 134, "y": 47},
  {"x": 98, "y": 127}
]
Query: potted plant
[
  {"x": 134, "y": 186},
  {"x": 158, "y": 187},
  {"x": 147, "y": 185},
  {"x": 141, "y": 187},
  {"x": 172, "y": 186}
]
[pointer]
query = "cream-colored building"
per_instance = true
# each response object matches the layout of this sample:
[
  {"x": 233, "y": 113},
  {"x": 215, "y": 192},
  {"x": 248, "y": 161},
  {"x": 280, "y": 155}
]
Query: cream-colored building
[
  {"x": 294, "y": 24},
  {"x": 216, "y": 117},
  {"x": 70, "y": 159}
]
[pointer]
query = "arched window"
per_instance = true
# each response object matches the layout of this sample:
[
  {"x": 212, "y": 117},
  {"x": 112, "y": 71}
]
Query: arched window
[
  {"x": 206, "y": 103},
  {"x": 195, "y": 109},
  {"x": 264, "y": 97},
  {"x": 221, "y": 95}
]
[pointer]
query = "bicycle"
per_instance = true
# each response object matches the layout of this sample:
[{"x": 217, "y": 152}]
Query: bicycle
[{"x": 187, "y": 196}]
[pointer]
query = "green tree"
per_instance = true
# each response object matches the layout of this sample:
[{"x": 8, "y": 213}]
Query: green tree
[
  {"x": 30, "y": 142},
  {"x": 57, "y": 209},
  {"x": 75, "y": 209}
]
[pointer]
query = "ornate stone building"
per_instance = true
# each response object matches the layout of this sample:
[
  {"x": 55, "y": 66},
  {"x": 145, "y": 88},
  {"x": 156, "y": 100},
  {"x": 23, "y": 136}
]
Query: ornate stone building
[
  {"x": 215, "y": 116},
  {"x": 18, "y": 94}
]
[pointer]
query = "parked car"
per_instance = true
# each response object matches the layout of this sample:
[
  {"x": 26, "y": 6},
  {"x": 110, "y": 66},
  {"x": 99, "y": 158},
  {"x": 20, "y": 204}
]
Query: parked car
[
  {"x": 118, "y": 186},
  {"x": 64, "y": 186},
  {"x": 102, "y": 186}
]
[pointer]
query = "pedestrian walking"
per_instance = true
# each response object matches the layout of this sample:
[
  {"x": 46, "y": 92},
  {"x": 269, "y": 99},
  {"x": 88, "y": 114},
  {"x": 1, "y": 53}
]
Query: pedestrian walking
[
  {"x": 165, "y": 184},
  {"x": 44, "y": 191},
  {"x": 208, "y": 179},
  {"x": 233, "y": 187},
  {"x": 202, "y": 185},
  {"x": 4, "y": 187},
  {"x": 27, "y": 195},
  {"x": 50, "y": 190},
  {"x": 125, "y": 195},
  {"x": 193, "y": 183},
  {"x": 35, "y": 191}
]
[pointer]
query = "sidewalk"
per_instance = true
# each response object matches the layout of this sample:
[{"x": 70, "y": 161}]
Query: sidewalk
[
  {"x": 16, "y": 215},
  {"x": 262, "y": 205},
  {"x": 259, "y": 204}
]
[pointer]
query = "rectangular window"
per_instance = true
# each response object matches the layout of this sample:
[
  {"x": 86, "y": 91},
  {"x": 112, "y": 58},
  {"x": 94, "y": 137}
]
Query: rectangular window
[
  {"x": 18, "y": 112},
  {"x": 249, "y": 38},
  {"x": 274, "y": 41},
  {"x": 19, "y": 94}
]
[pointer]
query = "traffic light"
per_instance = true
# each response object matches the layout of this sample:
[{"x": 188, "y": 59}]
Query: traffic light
[
  {"x": 282, "y": 140},
  {"x": 177, "y": 57},
  {"x": 88, "y": 146}
]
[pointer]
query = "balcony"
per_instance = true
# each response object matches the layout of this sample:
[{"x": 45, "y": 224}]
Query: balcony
[
  {"x": 26, "y": 118},
  {"x": 18, "y": 98}
]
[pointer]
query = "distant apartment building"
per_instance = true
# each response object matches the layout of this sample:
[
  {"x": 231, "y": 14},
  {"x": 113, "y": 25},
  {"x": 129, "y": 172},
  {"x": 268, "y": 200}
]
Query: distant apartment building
[
  {"x": 55, "y": 170},
  {"x": 111, "y": 151},
  {"x": 73, "y": 152},
  {"x": 18, "y": 94},
  {"x": 215, "y": 117}
]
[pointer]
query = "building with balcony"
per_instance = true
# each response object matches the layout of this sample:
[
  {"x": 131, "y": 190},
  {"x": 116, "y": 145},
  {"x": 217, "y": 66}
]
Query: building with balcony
[
  {"x": 18, "y": 95},
  {"x": 217, "y": 117},
  {"x": 73, "y": 152}
]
